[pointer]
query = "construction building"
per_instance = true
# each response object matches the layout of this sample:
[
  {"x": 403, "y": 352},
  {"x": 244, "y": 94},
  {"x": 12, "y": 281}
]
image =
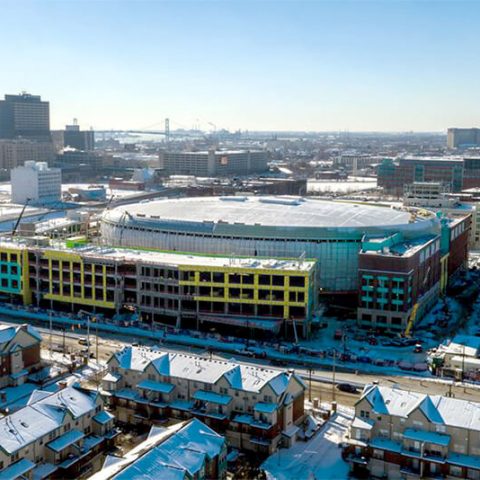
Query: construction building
[
  {"x": 398, "y": 434},
  {"x": 400, "y": 280},
  {"x": 273, "y": 227},
  {"x": 254, "y": 407},
  {"x": 270, "y": 296}
]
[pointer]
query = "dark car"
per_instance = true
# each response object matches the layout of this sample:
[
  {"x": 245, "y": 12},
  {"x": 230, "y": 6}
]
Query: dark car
[{"x": 347, "y": 387}]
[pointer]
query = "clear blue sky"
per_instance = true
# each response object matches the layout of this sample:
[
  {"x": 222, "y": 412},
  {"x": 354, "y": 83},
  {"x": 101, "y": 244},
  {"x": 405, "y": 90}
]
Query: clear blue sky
[{"x": 266, "y": 65}]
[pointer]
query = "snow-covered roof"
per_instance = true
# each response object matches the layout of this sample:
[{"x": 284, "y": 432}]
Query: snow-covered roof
[
  {"x": 362, "y": 423},
  {"x": 43, "y": 470},
  {"x": 43, "y": 416},
  {"x": 137, "y": 358},
  {"x": 103, "y": 417},
  {"x": 426, "y": 436},
  {"x": 391, "y": 401},
  {"x": 212, "y": 397},
  {"x": 448, "y": 411},
  {"x": 161, "y": 387},
  {"x": 9, "y": 332},
  {"x": 65, "y": 440},
  {"x": 467, "y": 345},
  {"x": 182, "y": 454},
  {"x": 200, "y": 369},
  {"x": 17, "y": 470},
  {"x": 263, "y": 407}
]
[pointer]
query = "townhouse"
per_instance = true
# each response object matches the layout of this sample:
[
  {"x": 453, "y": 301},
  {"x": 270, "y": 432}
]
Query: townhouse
[
  {"x": 398, "y": 434},
  {"x": 55, "y": 434},
  {"x": 19, "y": 354},
  {"x": 253, "y": 406},
  {"x": 187, "y": 450}
]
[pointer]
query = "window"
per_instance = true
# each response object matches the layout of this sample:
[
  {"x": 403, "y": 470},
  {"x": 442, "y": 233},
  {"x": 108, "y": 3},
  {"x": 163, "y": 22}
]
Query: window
[
  {"x": 378, "y": 454},
  {"x": 441, "y": 428},
  {"x": 456, "y": 471},
  {"x": 459, "y": 448}
]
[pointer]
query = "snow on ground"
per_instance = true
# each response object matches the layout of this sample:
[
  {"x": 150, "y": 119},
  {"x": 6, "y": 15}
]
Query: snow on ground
[
  {"x": 318, "y": 459},
  {"x": 342, "y": 186}
]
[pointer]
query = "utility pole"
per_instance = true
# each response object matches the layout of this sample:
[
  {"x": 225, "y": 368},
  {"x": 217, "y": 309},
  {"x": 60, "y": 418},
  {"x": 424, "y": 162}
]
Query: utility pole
[
  {"x": 310, "y": 384},
  {"x": 96, "y": 335},
  {"x": 88, "y": 337},
  {"x": 63, "y": 347},
  {"x": 50, "y": 338},
  {"x": 334, "y": 398}
]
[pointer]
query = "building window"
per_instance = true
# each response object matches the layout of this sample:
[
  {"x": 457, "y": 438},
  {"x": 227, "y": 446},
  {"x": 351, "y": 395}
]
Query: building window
[
  {"x": 378, "y": 454},
  {"x": 455, "y": 471}
]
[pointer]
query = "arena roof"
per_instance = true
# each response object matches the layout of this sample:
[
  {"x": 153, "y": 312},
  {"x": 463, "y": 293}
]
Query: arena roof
[{"x": 264, "y": 211}]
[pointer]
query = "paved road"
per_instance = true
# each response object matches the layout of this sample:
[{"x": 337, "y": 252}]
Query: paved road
[{"x": 321, "y": 379}]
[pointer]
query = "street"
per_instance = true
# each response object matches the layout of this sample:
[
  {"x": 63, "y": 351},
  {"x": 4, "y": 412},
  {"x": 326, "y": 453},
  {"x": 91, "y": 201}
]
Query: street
[{"x": 321, "y": 379}]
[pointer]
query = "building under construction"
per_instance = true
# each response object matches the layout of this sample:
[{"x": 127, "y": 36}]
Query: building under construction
[{"x": 181, "y": 290}]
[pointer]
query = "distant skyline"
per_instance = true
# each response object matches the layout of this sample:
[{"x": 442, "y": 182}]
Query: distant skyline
[{"x": 257, "y": 65}]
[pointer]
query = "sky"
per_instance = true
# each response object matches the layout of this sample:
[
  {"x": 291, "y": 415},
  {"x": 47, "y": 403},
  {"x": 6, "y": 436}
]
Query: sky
[{"x": 391, "y": 65}]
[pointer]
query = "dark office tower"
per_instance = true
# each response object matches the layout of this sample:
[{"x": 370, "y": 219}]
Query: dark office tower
[
  {"x": 25, "y": 116},
  {"x": 79, "y": 139}
]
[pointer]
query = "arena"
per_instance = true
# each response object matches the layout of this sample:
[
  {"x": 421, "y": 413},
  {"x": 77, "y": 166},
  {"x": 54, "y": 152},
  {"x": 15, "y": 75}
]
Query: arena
[{"x": 285, "y": 227}]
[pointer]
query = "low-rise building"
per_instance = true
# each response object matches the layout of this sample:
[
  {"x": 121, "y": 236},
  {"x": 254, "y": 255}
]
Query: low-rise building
[
  {"x": 36, "y": 182},
  {"x": 186, "y": 450},
  {"x": 252, "y": 406},
  {"x": 459, "y": 358},
  {"x": 398, "y": 434},
  {"x": 55, "y": 434},
  {"x": 214, "y": 162},
  {"x": 19, "y": 354}
]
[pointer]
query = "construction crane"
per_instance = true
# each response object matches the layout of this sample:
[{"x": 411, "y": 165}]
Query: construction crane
[
  {"x": 14, "y": 231},
  {"x": 413, "y": 315},
  {"x": 411, "y": 320}
]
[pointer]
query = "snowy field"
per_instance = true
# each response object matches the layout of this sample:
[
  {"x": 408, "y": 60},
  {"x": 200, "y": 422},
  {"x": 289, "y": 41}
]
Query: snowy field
[
  {"x": 318, "y": 459},
  {"x": 353, "y": 184}
]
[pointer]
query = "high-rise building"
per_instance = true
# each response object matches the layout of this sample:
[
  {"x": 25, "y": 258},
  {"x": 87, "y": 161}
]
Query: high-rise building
[
  {"x": 25, "y": 116},
  {"x": 37, "y": 183},
  {"x": 463, "y": 137},
  {"x": 79, "y": 139}
]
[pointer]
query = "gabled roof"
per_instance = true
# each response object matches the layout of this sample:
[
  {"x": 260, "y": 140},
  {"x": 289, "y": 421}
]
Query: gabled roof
[
  {"x": 171, "y": 455},
  {"x": 197, "y": 368},
  {"x": 42, "y": 415},
  {"x": 391, "y": 401},
  {"x": 9, "y": 332},
  {"x": 437, "y": 409}
]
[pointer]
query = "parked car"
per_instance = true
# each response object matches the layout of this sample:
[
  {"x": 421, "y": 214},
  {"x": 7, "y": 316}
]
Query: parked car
[
  {"x": 83, "y": 341},
  {"x": 347, "y": 387}
]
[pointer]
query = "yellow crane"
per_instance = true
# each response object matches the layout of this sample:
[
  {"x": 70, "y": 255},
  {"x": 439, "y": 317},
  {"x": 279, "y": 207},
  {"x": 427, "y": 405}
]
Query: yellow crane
[{"x": 411, "y": 319}]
